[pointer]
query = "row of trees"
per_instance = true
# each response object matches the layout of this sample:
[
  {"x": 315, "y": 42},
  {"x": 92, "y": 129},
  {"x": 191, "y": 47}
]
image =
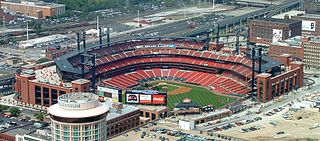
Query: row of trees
[
  {"x": 91, "y": 5},
  {"x": 16, "y": 112}
]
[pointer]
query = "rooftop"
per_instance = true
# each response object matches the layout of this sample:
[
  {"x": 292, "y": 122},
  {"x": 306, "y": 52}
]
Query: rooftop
[
  {"x": 42, "y": 40},
  {"x": 42, "y": 134},
  {"x": 114, "y": 113},
  {"x": 152, "y": 108},
  {"x": 291, "y": 42},
  {"x": 78, "y": 105},
  {"x": 284, "y": 21},
  {"x": 315, "y": 39},
  {"x": 78, "y": 98},
  {"x": 35, "y": 3},
  {"x": 290, "y": 13},
  {"x": 49, "y": 75},
  {"x": 21, "y": 128},
  {"x": 311, "y": 16},
  {"x": 203, "y": 115}
]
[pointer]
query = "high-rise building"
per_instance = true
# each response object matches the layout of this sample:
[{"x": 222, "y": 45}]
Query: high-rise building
[
  {"x": 311, "y": 46},
  {"x": 78, "y": 117}
]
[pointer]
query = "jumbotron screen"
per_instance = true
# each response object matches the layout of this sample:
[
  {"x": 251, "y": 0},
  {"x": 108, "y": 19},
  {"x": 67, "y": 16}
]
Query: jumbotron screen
[{"x": 151, "y": 97}]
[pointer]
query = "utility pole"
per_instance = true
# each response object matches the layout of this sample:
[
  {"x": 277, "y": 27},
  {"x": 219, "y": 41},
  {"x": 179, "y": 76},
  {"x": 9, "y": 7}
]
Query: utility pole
[
  {"x": 212, "y": 4},
  {"x": 4, "y": 22},
  {"x": 139, "y": 18},
  {"x": 27, "y": 30},
  {"x": 97, "y": 23},
  {"x": 185, "y": 11}
]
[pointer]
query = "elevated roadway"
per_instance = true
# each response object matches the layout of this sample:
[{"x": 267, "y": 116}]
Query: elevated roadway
[{"x": 227, "y": 25}]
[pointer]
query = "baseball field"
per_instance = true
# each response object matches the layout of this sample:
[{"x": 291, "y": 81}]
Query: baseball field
[{"x": 202, "y": 96}]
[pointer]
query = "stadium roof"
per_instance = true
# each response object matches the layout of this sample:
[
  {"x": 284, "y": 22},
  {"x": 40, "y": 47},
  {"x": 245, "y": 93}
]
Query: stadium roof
[{"x": 64, "y": 65}]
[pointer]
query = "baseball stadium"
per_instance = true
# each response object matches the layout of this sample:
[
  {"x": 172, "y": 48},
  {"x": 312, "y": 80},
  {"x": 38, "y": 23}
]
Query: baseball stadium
[{"x": 186, "y": 67}]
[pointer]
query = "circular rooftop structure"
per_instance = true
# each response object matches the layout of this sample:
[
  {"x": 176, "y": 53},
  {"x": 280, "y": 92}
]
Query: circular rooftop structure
[{"x": 78, "y": 105}]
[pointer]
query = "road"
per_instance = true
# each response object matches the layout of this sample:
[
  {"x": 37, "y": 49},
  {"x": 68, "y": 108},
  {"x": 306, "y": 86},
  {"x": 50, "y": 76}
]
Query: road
[{"x": 25, "y": 111}]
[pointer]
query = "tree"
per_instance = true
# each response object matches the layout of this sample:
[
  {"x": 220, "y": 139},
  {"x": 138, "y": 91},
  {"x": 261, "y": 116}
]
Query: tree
[
  {"x": 40, "y": 116},
  {"x": 15, "y": 111},
  {"x": 4, "y": 107},
  {"x": 42, "y": 60}
]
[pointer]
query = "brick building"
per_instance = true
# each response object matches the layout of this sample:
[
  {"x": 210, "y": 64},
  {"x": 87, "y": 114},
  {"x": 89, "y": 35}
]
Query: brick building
[
  {"x": 121, "y": 117},
  {"x": 34, "y": 8},
  {"x": 53, "y": 53},
  {"x": 290, "y": 46},
  {"x": 269, "y": 86},
  {"x": 268, "y": 30},
  {"x": 310, "y": 23},
  {"x": 43, "y": 86}
]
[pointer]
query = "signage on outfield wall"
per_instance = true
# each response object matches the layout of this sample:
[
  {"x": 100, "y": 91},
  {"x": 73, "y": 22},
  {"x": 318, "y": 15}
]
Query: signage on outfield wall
[
  {"x": 308, "y": 25},
  {"x": 277, "y": 35},
  {"x": 158, "y": 99},
  {"x": 145, "y": 98},
  {"x": 132, "y": 98}
]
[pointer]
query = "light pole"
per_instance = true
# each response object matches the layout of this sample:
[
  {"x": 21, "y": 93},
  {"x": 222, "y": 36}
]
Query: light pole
[{"x": 212, "y": 4}]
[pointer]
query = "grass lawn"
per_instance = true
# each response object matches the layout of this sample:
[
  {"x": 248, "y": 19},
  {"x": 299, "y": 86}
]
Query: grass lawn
[{"x": 198, "y": 95}]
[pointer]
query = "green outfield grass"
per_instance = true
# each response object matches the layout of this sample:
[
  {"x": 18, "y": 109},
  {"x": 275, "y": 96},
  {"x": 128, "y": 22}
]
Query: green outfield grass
[
  {"x": 199, "y": 95},
  {"x": 164, "y": 86}
]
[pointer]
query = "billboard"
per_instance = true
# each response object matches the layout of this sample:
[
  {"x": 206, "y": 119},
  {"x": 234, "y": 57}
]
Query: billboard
[
  {"x": 158, "y": 99},
  {"x": 132, "y": 98},
  {"x": 145, "y": 99},
  {"x": 308, "y": 25},
  {"x": 110, "y": 92},
  {"x": 277, "y": 35},
  {"x": 150, "y": 97}
]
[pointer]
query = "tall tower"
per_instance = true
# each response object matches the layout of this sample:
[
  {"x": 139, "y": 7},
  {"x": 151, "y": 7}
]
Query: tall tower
[{"x": 79, "y": 116}]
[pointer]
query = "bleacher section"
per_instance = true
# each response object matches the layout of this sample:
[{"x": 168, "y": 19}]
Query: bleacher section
[
  {"x": 179, "y": 60},
  {"x": 216, "y": 82},
  {"x": 175, "y": 61}
]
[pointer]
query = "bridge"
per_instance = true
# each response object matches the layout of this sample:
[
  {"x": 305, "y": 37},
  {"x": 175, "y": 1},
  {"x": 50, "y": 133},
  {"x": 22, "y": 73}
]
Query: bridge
[
  {"x": 228, "y": 25},
  {"x": 242, "y": 3}
]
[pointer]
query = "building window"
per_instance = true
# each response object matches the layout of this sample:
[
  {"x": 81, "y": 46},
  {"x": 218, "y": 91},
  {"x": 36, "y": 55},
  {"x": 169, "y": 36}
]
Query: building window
[
  {"x": 46, "y": 99},
  {"x": 54, "y": 96},
  {"x": 38, "y": 95}
]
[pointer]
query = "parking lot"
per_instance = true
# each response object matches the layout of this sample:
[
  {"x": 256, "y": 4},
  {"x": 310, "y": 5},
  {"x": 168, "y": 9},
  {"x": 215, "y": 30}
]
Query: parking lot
[{"x": 277, "y": 125}]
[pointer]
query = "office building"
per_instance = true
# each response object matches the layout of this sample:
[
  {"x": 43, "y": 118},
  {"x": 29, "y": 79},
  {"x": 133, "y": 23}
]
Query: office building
[
  {"x": 268, "y": 30},
  {"x": 34, "y": 8}
]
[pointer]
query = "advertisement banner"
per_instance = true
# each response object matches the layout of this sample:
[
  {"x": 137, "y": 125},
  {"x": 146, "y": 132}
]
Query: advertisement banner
[
  {"x": 132, "y": 98},
  {"x": 277, "y": 35},
  {"x": 158, "y": 99},
  {"x": 308, "y": 25},
  {"x": 145, "y": 99}
]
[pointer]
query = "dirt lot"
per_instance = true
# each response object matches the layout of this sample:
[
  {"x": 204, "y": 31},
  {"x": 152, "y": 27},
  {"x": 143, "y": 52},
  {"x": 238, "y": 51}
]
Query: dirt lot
[{"x": 294, "y": 129}]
